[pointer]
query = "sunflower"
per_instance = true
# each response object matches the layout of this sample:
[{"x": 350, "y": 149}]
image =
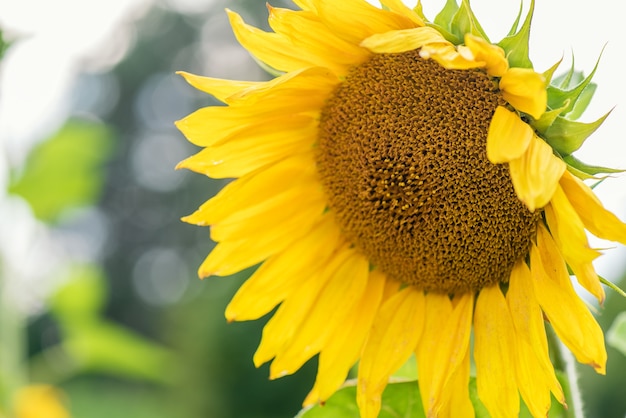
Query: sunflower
[{"x": 405, "y": 185}]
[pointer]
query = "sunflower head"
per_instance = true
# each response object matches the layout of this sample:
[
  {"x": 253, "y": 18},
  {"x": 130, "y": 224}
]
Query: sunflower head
[{"x": 403, "y": 184}]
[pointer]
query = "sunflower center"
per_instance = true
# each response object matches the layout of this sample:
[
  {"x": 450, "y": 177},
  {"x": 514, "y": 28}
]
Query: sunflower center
[{"x": 402, "y": 156}]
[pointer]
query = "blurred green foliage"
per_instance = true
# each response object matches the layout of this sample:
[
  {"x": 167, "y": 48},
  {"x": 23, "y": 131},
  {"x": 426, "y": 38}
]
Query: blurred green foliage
[
  {"x": 616, "y": 336},
  {"x": 64, "y": 171}
]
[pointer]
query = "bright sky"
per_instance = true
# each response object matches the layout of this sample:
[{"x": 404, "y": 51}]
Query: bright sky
[{"x": 64, "y": 37}]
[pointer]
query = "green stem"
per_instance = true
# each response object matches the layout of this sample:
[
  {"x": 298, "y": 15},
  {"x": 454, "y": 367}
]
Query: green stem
[
  {"x": 576, "y": 407},
  {"x": 564, "y": 361}
]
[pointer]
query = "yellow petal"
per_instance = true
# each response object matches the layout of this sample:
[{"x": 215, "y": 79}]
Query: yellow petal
[
  {"x": 309, "y": 85},
  {"x": 399, "y": 7},
  {"x": 337, "y": 299},
  {"x": 284, "y": 211},
  {"x": 344, "y": 347},
  {"x": 529, "y": 327},
  {"x": 232, "y": 256},
  {"x": 459, "y": 404},
  {"x": 217, "y": 87},
  {"x": 493, "y": 56},
  {"x": 394, "y": 336},
  {"x": 597, "y": 219},
  {"x": 255, "y": 188},
  {"x": 448, "y": 57},
  {"x": 307, "y": 5},
  {"x": 494, "y": 353},
  {"x": 402, "y": 40},
  {"x": 314, "y": 41},
  {"x": 443, "y": 347},
  {"x": 569, "y": 234},
  {"x": 212, "y": 126},
  {"x": 535, "y": 175},
  {"x": 281, "y": 274},
  {"x": 438, "y": 308},
  {"x": 534, "y": 371},
  {"x": 285, "y": 323},
  {"x": 274, "y": 49},
  {"x": 508, "y": 136},
  {"x": 533, "y": 384},
  {"x": 569, "y": 316},
  {"x": 356, "y": 20},
  {"x": 254, "y": 148},
  {"x": 525, "y": 90}
]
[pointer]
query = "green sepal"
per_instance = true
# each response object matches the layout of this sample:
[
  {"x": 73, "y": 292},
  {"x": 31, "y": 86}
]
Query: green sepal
[
  {"x": 546, "y": 120},
  {"x": 565, "y": 80},
  {"x": 464, "y": 21},
  {"x": 515, "y": 24},
  {"x": 443, "y": 21},
  {"x": 516, "y": 46},
  {"x": 549, "y": 73},
  {"x": 445, "y": 16},
  {"x": 590, "y": 170},
  {"x": 557, "y": 96},
  {"x": 583, "y": 101},
  {"x": 566, "y": 136},
  {"x": 420, "y": 11}
]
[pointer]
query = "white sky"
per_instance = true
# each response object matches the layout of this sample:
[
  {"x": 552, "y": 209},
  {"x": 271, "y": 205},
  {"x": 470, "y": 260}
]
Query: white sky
[{"x": 65, "y": 36}]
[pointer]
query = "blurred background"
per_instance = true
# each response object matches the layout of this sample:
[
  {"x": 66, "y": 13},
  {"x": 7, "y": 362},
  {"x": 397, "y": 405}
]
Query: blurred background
[{"x": 99, "y": 289}]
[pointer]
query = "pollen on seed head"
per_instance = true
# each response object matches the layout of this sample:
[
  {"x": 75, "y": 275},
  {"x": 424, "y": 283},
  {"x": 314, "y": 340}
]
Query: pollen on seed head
[{"x": 402, "y": 156}]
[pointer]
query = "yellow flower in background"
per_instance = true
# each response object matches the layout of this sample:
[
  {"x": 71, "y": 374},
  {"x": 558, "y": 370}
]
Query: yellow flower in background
[
  {"x": 39, "y": 401},
  {"x": 404, "y": 183}
]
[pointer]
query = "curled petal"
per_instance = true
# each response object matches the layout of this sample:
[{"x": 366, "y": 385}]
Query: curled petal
[
  {"x": 535, "y": 175},
  {"x": 492, "y": 55},
  {"x": 525, "y": 90},
  {"x": 508, "y": 136},
  {"x": 402, "y": 40}
]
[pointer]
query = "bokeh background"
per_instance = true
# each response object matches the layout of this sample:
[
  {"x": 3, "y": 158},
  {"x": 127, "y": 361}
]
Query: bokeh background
[{"x": 99, "y": 286}]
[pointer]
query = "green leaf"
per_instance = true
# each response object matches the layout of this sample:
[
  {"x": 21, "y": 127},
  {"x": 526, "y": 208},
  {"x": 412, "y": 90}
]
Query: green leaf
[
  {"x": 107, "y": 348},
  {"x": 589, "y": 170},
  {"x": 4, "y": 45},
  {"x": 400, "y": 399},
  {"x": 566, "y": 136},
  {"x": 65, "y": 171},
  {"x": 516, "y": 46},
  {"x": 82, "y": 297},
  {"x": 616, "y": 336}
]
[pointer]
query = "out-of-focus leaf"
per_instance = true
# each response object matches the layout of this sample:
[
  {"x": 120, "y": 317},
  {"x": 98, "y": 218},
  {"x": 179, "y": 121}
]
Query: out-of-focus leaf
[
  {"x": 82, "y": 297},
  {"x": 110, "y": 349},
  {"x": 402, "y": 399},
  {"x": 4, "y": 45},
  {"x": 65, "y": 171},
  {"x": 616, "y": 337},
  {"x": 99, "y": 398}
]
